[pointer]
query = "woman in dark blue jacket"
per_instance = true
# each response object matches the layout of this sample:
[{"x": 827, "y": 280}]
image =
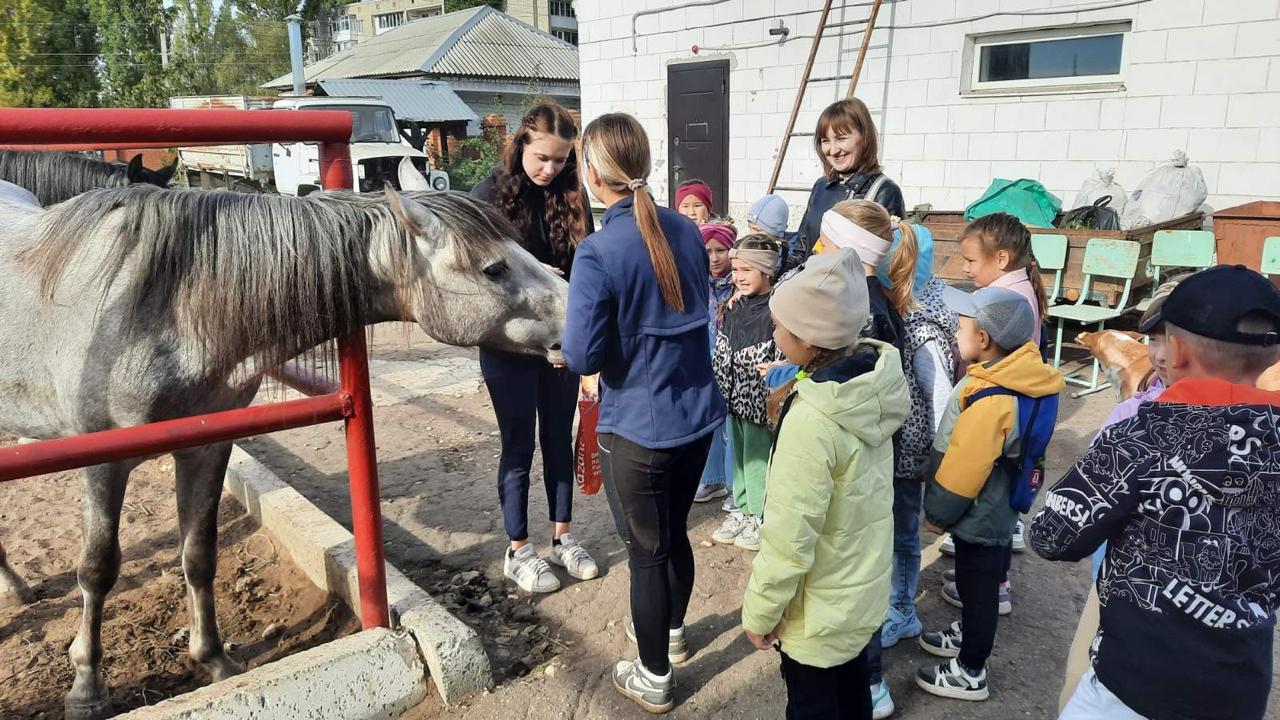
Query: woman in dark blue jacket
[
  {"x": 638, "y": 316},
  {"x": 848, "y": 146}
]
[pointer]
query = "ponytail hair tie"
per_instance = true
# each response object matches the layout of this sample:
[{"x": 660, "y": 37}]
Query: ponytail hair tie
[{"x": 637, "y": 183}]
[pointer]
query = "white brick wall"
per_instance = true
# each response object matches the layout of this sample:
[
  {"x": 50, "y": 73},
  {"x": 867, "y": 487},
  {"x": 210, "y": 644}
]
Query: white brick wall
[{"x": 1199, "y": 75}]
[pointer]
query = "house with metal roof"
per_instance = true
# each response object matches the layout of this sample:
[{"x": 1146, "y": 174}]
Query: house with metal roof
[{"x": 493, "y": 62}]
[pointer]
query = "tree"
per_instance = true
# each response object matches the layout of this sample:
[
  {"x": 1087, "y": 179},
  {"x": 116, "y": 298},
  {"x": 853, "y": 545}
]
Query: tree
[
  {"x": 129, "y": 32},
  {"x": 48, "y": 54},
  {"x": 454, "y": 5}
]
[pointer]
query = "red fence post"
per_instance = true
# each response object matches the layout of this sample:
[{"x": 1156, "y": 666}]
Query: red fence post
[
  {"x": 362, "y": 470},
  {"x": 362, "y": 459}
]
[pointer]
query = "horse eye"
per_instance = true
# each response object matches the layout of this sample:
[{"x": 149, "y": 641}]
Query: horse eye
[{"x": 497, "y": 270}]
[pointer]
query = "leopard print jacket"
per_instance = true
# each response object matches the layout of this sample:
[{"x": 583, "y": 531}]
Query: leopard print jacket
[{"x": 930, "y": 321}]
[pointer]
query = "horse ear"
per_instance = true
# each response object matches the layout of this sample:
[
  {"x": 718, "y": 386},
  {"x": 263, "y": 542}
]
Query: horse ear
[
  {"x": 136, "y": 169},
  {"x": 415, "y": 218},
  {"x": 165, "y": 174}
]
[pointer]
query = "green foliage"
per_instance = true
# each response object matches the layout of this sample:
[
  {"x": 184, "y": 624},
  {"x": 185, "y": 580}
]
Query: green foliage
[
  {"x": 454, "y": 5},
  {"x": 129, "y": 32},
  {"x": 473, "y": 160},
  {"x": 48, "y": 52}
]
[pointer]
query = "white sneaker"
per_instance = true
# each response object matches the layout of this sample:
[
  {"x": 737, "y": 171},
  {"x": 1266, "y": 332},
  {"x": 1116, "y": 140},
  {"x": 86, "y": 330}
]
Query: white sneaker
[
  {"x": 1019, "y": 538},
  {"x": 881, "y": 702},
  {"x": 727, "y": 505},
  {"x": 731, "y": 528},
  {"x": 529, "y": 572},
  {"x": 948, "y": 546},
  {"x": 649, "y": 691},
  {"x": 574, "y": 558},
  {"x": 749, "y": 538}
]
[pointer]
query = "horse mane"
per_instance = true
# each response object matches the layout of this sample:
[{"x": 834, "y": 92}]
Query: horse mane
[
  {"x": 253, "y": 276},
  {"x": 56, "y": 177}
]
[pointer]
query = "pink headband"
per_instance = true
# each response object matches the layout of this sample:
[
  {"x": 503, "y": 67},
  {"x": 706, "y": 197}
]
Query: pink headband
[
  {"x": 720, "y": 233},
  {"x": 698, "y": 190}
]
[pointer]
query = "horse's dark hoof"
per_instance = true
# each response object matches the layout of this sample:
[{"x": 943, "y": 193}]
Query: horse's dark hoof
[{"x": 92, "y": 710}]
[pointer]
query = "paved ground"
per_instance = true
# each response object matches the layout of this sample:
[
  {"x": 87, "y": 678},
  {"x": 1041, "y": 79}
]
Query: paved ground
[{"x": 438, "y": 456}]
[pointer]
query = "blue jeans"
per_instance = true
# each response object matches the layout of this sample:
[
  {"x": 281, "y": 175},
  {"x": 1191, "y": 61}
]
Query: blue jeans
[
  {"x": 529, "y": 396},
  {"x": 719, "y": 468},
  {"x": 908, "y": 496}
]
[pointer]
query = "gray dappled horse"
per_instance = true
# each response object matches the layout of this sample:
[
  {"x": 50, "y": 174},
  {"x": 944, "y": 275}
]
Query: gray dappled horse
[
  {"x": 137, "y": 304},
  {"x": 55, "y": 177}
]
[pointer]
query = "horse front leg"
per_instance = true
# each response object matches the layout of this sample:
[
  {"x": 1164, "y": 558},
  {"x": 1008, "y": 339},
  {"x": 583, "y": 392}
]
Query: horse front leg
[
  {"x": 13, "y": 592},
  {"x": 199, "y": 475},
  {"x": 104, "y": 487}
]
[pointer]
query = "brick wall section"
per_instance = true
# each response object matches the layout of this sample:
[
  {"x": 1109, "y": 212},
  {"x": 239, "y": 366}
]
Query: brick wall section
[{"x": 1199, "y": 76}]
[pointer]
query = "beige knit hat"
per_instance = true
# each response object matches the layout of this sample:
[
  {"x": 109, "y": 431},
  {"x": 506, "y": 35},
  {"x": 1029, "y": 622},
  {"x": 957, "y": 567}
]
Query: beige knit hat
[{"x": 825, "y": 304}]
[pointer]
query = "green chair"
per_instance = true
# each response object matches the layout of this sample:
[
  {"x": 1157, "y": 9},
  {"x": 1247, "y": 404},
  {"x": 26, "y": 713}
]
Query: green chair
[
  {"x": 1050, "y": 252},
  {"x": 1271, "y": 256},
  {"x": 1102, "y": 257},
  {"x": 1179, "y": 249}
]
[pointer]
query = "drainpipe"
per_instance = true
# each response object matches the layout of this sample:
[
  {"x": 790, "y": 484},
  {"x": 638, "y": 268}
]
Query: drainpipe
[{"x": 295, "y": 54}]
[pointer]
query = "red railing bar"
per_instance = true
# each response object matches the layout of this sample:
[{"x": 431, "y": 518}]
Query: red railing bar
[
  {"x": 362, "y": 470},
  {"x": 68, "y": 453},
  {"x": 93, "y": 129},
  {"x": 295, "y": 376}
]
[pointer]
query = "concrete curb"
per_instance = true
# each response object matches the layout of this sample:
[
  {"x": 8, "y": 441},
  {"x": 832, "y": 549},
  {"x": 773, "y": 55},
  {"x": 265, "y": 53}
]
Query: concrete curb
[
  {"x": 325, "y": 551},
  {"x": 368, "y": 676}
]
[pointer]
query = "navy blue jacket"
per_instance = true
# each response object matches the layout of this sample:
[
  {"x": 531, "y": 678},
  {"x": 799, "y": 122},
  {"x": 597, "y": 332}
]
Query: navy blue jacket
[
  {"x": 656, "y": 385},
  {"x": 827, "y": 192}
]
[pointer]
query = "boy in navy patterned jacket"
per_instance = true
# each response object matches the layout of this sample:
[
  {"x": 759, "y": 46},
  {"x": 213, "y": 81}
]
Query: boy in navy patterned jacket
[{"x": 1187, "y": 492}]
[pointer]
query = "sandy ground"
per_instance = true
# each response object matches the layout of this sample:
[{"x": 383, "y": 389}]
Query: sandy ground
[
  {"x": 144, "y": 636},
  {"x": 438, "y": 456}
]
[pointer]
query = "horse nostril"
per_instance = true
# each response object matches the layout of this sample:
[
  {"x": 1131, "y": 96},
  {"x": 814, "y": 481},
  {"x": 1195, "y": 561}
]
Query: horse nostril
[{"x": 556, "y": 347}]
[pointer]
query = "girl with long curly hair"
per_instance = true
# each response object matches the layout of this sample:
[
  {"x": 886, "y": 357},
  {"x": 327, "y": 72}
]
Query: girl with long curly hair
[{"x": 537, "y": 187}]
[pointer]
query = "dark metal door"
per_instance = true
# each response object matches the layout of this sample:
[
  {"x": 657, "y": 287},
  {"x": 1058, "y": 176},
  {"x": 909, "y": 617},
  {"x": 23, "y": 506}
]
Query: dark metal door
[{"x": 698, "y": 128}]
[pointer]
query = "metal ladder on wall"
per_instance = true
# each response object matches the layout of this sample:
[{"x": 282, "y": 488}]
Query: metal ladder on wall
[{"x": 806, "y": 79}]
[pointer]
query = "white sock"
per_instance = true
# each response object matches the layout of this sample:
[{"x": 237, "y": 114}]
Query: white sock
[{"x": 677, "y": 632}]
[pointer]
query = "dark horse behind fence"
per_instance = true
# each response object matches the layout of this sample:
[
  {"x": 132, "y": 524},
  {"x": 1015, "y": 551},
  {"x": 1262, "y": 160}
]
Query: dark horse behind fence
[
  {"x": 139, "y": 304},
  {"x": 55, "y": 177}
]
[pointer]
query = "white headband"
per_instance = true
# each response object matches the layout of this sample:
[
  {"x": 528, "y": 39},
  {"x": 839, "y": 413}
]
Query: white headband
[{"x": 845, "y": 233}]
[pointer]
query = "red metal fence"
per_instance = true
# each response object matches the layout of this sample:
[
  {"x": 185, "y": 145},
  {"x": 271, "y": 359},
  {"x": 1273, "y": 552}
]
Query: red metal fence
[{"x": 103, "y": 129}]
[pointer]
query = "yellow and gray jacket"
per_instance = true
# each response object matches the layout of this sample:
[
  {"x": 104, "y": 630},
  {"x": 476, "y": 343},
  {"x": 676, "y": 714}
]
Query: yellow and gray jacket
[{"x": 967, "y": 492}]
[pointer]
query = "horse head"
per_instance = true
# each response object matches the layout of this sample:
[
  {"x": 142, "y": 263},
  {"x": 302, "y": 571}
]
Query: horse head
[{"x": 470, "y": 283}]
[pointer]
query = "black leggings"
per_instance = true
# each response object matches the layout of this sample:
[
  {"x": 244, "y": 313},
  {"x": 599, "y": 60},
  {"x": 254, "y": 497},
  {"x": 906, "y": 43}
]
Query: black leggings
[
  {"x": 978, "y": 572},
  {"x": 842, "y": 692},
  {"x": 650, "y": 493}
]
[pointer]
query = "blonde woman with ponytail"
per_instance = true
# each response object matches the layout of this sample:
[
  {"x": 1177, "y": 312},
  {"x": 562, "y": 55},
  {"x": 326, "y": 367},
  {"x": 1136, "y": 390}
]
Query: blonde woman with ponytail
[{"x": 638, "y": 314}]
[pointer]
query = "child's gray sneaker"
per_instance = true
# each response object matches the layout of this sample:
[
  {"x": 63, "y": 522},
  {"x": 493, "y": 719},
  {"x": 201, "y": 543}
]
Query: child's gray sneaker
[
  {"x": 749, "y": 538},
  {"x": 730, "y": 528},
  {"x": 951, "y": 680},
  {"x": 644, "y": 688},
  {"x": 707, "y": 493},
  {"x": 529, "y": 572},
  {"x": 951, "y": 594},
  {"x": 574, "y": 558},
  {"x": 677, "y": 648},
  {"x": 943, "y": 644}
]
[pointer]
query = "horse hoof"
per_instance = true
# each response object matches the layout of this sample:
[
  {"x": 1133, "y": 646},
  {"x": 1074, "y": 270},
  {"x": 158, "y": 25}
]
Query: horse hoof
[
  {"x": 14, "y": 598},
  {"x": 224, "y": 667},
  {"x": 90, "y": 710}
]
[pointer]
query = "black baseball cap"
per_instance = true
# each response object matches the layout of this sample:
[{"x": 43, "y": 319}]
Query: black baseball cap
[{"x": 1212, "y": 302}]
